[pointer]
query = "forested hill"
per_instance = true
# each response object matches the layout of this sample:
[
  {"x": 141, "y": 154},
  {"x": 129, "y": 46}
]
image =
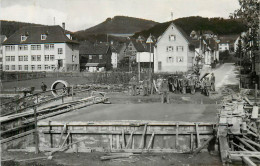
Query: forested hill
[
  {"x": 10, "y": 27},
  {"x": 219, "y": 26}
]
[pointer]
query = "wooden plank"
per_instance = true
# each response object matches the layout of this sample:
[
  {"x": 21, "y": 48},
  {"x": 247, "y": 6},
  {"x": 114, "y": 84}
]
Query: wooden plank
[
  {"x": 117, "y": 142},
  {"x": 224, "y": 148},
  {"x": 118, "y": 132},
  {"x": 239, "y": 146},
  {"x": 197, "y": 134},
  {"x": 191, "y": 142},
  {"x": 248, "y": 101},
  {"x": 65, "y": 139},
  {"x": 130, "y": 139},
  {"x": 62, "y": 133},
  {"x": 255, "y": 112},
  {"x": 111, "y": 141},
  {"x": 16, "y": 136},
  {"x": 252, "y": 142},
  {"x": 248, "y": 161},
  {"x": 203, "y": 145},
  {"x": 245, "y": 143},
  {"x": 150, "y": 142},
  {"x": 141, "y": 146}
]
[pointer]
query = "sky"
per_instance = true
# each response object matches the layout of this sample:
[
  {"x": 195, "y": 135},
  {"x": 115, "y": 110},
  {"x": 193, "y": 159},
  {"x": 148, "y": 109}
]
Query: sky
[{"x": 83, "y": 14}]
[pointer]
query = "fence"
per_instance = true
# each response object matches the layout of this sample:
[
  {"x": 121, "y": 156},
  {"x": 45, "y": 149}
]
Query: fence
[{"x": 20, "y": 76}]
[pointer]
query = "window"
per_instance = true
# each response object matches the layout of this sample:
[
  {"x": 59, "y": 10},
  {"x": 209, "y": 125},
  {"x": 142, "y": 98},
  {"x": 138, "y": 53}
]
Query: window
[
  {"x": 169, "y": 48},
  {"x": 20, "y": 67},
  {"x": 52, "y": 58},
  {"x": 12, "y": 58},
  {"x": 23, "y": 47},
  {"x": 179, "y": 59},
  {"x": 59, "y": 50},
  {"x": 25, "y": 58},
  {"x": 6, "y": 67},
  {"x": 46, "y": 67},
  {"x": 52, "y": 67},
  {"x": 33, "y": 58},
  {"x": 38, "y": 57},
  {"x": 172, "y": 37},
  {"x": 170, "y": 59},
  {"x": 179, "y": 48},
  {"x": 73, "y": 58},
  {"x": 25, "y": 67},
  {"x": 100, "y": 57},
  {"x": 159, "y": 65},
  {"x": 90, "y": 56},
  {"x": 49, "y": 46},
  {"x": 39, "y": 67},
  {"x": 13, "y": 67},
  {"x": 43, "y": 37},
  {"x": 46, "y": 57},
  {"x": 23, "y": 38},
  {"x": 36, "y": 47},
  {"x": 33, "y": 67},
  {"x": 20, "y": 58},
  {"x": 9, "y": 48},
  {"x": 7, "y": 58}
]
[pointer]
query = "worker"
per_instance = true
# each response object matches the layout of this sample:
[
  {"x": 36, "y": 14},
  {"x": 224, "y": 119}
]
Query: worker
[
  {"x": 43, "y": 87},
  {"x": 212, "y": 82},
  {"x": 191, "y": 84},
  {"x": 175, "y": 84},
  {"x": 170, "y": 82},
  {"x": 159, "y": 83},
  {"x": 133, "y": 83},
  {"x": 146, "y": 86},
  {"x": 165, "y": 91}
]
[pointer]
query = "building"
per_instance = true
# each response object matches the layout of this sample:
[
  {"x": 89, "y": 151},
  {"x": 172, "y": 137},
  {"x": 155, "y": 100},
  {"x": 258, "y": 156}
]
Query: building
[
  {"x": 227, "y": 42},
  {"x": 114, "y": 56},
  {"x": 174, "y": 51},
  {"x": 95, "y": 57},
  {"x": 2, "y": 39},
  {"x": 41, "y": 48}
]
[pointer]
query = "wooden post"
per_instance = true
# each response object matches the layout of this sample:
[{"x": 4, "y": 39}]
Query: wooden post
[
  {"x": 142, "y": 141},
  {"x": 36, "y": 140},
  {"x": 51, "y": 140},
  {"x": 177, "y": 136},
  {"x": 198, "y": 135},
  {"x": 191, "y": 142},
  {"x": 72, "y": 91},
  {"x": 255, "y": 94},
  {"x": 123, "y": 139}
]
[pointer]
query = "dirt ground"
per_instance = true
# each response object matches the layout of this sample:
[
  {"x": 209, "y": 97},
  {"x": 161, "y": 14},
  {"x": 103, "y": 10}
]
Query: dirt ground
[{"x": 93, "y": 159}]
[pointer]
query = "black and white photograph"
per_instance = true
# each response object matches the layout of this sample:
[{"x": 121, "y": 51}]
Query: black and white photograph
[{"x": 129, "y": 82}]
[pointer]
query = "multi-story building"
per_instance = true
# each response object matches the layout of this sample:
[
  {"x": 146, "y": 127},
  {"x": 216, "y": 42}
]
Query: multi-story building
[
  {"x": 41, "y": 48},
  {"x": 174, "y": 51},
  {"x": 2, "y": 39}
]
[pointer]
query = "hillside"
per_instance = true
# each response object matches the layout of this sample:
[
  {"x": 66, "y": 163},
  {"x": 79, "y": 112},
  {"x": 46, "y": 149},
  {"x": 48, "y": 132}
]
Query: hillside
[
  {"x": 219, "y": 26},
  {"x": 117, "y": 25},
  {"x": 10, "y": 27}
]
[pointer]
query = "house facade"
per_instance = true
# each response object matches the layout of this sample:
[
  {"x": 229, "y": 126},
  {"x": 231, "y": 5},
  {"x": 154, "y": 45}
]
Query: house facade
[
  {"x": 95, "y": 57},
  {"x": 173, "y": 52},
  {"x": 2, "y": 39},
  {"x": 41, "y": 48}
]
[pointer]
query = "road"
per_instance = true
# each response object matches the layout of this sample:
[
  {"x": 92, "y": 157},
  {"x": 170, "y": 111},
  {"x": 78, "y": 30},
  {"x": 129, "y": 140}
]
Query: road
[{"x": 226, "y": 74}]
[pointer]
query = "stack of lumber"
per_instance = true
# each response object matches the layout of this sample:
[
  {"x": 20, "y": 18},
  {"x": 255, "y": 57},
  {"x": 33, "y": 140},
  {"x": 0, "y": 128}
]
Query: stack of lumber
[{"x": 238, "y": 129}]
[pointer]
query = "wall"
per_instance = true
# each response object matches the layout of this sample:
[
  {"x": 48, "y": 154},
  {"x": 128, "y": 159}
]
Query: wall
[{"x": 161, "y": 53}]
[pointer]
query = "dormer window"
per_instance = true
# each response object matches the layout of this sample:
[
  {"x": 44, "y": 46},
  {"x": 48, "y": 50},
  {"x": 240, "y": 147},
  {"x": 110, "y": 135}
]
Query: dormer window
[
  {"x": 23, "y": 38},
  {"x": 172, "y": 37},
  {"x": 43, "y": 37}
]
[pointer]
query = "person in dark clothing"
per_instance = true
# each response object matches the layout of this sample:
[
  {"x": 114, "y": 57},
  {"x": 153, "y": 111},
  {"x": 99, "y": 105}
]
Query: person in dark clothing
[
  {"x": 43, "y": 87},
  {"x": 165, "y": 91},
  {"x": 170, "y": 82}
]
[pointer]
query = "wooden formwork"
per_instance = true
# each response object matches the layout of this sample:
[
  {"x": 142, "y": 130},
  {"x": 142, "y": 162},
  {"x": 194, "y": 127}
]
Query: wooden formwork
[{"x": 126, "y": 136}]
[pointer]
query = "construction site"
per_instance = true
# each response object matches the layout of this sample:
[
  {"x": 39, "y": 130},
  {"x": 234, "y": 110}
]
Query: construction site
[{"x": 78, "y": 122}]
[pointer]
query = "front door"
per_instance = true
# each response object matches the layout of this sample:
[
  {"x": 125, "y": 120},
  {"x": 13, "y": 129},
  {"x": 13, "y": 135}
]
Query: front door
[{"x": 60, "y": 63}]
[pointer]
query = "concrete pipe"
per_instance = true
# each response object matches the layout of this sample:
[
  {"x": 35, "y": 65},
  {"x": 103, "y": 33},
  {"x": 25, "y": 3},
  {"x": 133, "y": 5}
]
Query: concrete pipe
[{"x": 55, "y": 92}]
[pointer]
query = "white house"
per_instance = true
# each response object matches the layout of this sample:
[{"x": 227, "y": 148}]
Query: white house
[
  {"x": 174, "y": 51},
  {"x": 2, "y": 39},
  {"x": 41, "y": 48}
]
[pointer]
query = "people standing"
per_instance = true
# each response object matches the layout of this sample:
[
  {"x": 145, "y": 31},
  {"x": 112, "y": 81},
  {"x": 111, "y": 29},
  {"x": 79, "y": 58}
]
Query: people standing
[
  {"x": 43, "y": 87},
  {"x": 133, "y": 83},
  {"x": 165, "y": 91},
  {"x": 159, "y": 83},
  {"x": 146, "y": 86}
]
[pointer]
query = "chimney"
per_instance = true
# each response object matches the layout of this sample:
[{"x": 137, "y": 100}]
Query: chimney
[{"x": 63, "y": 25}]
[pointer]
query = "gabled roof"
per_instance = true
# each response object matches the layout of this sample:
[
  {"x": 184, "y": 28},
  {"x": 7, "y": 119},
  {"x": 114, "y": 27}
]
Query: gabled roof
[
  {"x": 188, "y": 39},
  {"x": 86, "y": 48},
  {"x": 228, "y": 38},
  {"x": 55, "y": 34}
]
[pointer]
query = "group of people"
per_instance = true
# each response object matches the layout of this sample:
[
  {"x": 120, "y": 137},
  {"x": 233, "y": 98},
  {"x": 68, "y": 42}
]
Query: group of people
[{"x": 175, "y": 84}]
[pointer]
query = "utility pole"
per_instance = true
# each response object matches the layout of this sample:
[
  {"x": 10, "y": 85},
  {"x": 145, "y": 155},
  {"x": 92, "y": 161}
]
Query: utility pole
[{"x": 150, "y": 41}]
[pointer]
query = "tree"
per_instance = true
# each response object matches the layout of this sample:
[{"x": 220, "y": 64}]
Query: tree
[{"x": 249, "y": 12}]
